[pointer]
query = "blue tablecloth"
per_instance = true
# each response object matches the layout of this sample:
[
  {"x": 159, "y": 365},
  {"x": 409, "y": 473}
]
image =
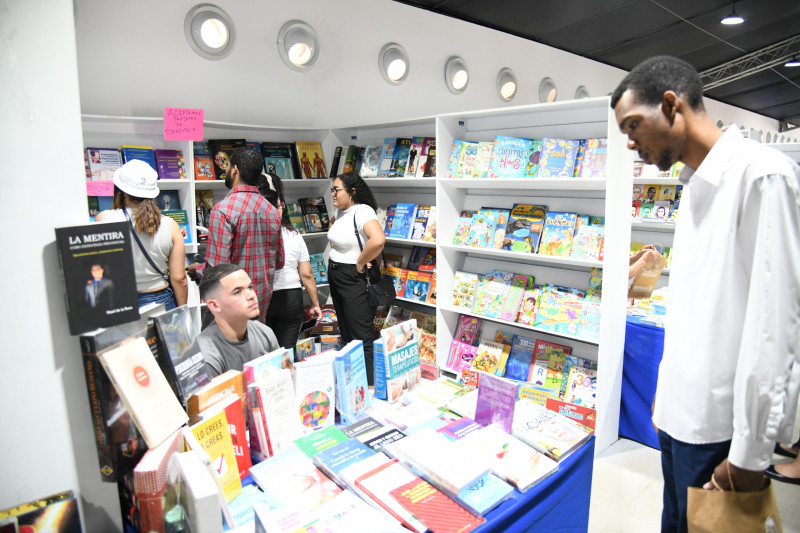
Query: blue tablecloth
[
  {"x": 559, "y": 503},
  {"x": 644, "y": 345}
]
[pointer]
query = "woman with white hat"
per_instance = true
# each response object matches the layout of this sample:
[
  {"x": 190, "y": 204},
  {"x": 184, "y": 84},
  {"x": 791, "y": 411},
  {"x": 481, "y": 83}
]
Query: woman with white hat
[{"x": 158, "y": 251}]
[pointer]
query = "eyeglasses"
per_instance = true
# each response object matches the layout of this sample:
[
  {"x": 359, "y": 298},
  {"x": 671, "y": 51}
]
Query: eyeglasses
[{"x": 335, "y": 190}]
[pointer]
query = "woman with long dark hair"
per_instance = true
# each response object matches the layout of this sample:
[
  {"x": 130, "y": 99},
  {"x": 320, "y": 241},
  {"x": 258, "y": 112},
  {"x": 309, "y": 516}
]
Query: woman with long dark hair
[
  {"x": 135, "y": 186},
  {"x": 354, "y": 210}
]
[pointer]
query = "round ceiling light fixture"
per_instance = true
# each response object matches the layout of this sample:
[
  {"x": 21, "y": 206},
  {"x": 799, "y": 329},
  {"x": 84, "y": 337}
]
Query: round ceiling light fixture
[
  {"x": 298, "y": 45},
  {"x": 393, "y": 63},
  {"x": 506, "y": 84},
  {"x": 209, "y": 31},
  {"x": 456, "y": 75}
]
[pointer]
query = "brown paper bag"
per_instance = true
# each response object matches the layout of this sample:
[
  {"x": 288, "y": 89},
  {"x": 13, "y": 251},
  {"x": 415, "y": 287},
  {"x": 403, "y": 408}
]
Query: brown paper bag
[
  {"x": 645, "y": 281},
  {"x": 710, "y": 511}
]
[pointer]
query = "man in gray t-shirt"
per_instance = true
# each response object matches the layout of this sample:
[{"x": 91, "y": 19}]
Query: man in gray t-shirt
[{"x": 234, "y": 338}]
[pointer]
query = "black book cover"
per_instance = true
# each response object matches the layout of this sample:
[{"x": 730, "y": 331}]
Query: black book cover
[
  {"x": 315, "y": 214},
  {"x": 221, "y": 151},
  {"x": 337, "y": 156},
  {"x": 280, "y": 159},
  {"x": 99, "y": 279}
]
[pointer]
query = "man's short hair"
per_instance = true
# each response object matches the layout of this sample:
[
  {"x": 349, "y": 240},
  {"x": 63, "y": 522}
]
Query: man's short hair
[
  {"x": 651, "y": 78},
  {"x": 249, "y": 162},
  {"x": 212, "y": 276}
]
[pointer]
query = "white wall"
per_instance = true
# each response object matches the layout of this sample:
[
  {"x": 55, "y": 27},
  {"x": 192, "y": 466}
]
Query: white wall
[{"x": 46, "y": 446}]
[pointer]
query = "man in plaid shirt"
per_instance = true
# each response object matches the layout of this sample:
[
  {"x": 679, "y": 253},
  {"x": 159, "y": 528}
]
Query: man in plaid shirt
[{"x": 244, "y": 228}]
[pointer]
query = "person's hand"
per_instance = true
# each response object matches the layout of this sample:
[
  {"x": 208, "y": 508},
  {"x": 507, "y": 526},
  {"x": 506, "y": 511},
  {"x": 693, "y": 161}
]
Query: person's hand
[
  {"x": 191, "y": 271},
  {"x": 743, "y": 480},
  {"x": 315, "y": 312},
  {"x": 650, "y": 258},
  {"x": 360, "y": 267}
]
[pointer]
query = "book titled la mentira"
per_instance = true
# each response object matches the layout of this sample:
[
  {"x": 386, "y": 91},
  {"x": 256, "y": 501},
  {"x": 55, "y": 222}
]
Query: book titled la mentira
[{"x": 99, "y": 279}]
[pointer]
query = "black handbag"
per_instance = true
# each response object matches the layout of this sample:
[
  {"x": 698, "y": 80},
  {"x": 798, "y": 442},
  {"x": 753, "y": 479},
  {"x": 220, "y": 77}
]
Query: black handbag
[{"x": 380, "y": 290}]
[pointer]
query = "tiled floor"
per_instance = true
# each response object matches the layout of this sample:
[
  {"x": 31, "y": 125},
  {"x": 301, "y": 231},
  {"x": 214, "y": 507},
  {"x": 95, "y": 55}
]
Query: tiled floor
[{"x": 627, "y": 485}]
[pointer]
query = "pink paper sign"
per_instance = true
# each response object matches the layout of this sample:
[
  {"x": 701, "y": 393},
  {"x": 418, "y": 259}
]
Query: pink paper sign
[
  {"x": 183, "y": 124},
  {"x": 99, "y": 188}
]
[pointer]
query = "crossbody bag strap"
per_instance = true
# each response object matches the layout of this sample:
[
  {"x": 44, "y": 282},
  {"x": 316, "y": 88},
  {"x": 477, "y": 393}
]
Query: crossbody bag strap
[
  {"x": 358, "y": 238},
  {"x": 164, "y": 275}
]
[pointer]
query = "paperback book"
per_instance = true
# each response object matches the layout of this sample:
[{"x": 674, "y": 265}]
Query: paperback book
[
  {"x": 352, "y": 390},
  {"x": 309, "y": 156},
  {"x": 315, "y": 390},
  {"x": 203, "y": 162},
  {"x": 558, "y": 158},
  {"x": 496, "y": 400},
  {"x": 170, "y": 164},
  {"x": 547, "y": 431},
  {"x": 102, "y": 162},
  {"x": 524, "y": 227},
  {"x": 557, "y": 233},
  {"x": 509, "y": 157},
  {"x": 221, "y": 151},
  {"x": 281, "y": 159}
]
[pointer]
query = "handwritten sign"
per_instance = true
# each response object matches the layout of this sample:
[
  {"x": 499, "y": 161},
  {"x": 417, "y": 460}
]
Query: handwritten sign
[
  {"x": 183, "y": 124},
  {"x": 99, "y": 188}
]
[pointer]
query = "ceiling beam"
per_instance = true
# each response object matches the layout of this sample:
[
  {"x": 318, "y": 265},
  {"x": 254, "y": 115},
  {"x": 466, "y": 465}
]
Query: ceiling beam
[{"x": 763, "y": 59}]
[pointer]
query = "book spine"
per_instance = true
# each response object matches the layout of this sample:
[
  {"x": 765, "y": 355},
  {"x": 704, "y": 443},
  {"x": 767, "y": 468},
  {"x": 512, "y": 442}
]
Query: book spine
[
  {"x": 337, "y": 155},
  {"x": 262, "y": 422},
  {"x": 93, "y": 372}
]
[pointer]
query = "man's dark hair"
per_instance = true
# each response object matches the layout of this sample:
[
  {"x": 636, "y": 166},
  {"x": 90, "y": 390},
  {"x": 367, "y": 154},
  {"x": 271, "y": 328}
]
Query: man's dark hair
[
  {"x": 363, "y": 194},
  {"x": 651, "y": 78},
  {"x": 249, "y": 162},
  {"x": 211, "y": 276}
]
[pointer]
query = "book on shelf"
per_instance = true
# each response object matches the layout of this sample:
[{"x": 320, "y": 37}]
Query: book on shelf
[
  {"x": 430, "y": 163},
  {"x": 318, "y": 267},
  {"x": 371, "y": 161},
  {"x": 420, "y": 221},
  {"x": 520, "y": 358},
  {"x": 559, "y": 311},
  {"x": 221, "y": 152},
  {"x": 532, "y": 159},
  {"x": 581, "y": 385},
  {"x": 181, "y": 217},
  {"x": 213, "y": 435},
  {"x": 549, "y": 359},
  {"x": 433, "y": 508},
  {"x": 483, "y": 158},
  {"x": 661, "y": 210},
  {"x": 454, "y": 157},
  {"x": 594, "y": 160},
  {"x": 387, "y": 151},
  {"x": 414, "y": 151},
  {"x": 234, "y": 415},
  {"x": 280, "y": 159},
  {"x": 417, "y": 286},
  {"x": 513, "y": 299},
  {"x": 429, "y": 235},
  {"x": 525, "y": 222},
  {"x": 509, "y": 458},
  {"x": 509, "y": 157},
  {"x": 198, "y": 493},
  {"x": 415, "y": 257},
  {"x": 142, "y": 153},
  {"x": 402, "y": 147},
  {"x": 335, "y": 161},
  {"x": 170, "y": 164},
  {"x": 586, "y": 242},
  {"x": 470, "y": 377},
  {"x": 428, "y": 262},
  {"x": 496, "y": 399},
  {"x": 537, "y": 393},
  {"x": 589, "y": 321},
  {"x": 315, "y": 390},
  {"x": 463, "y": 227},
  {"x": 465, "y": 286},
  {"x": 432, "y": 291},
  {"x": 99, "y": 281},
  {"x": 491, "y": 357},
  {"x": 144, "y": 390},
  {"x": 390, "y": 211},
  {"x": 557, "y": 233},
  {"x": 296, "y": 217},
  {"x": 428, "y": 144},
  {"x": 102, "y": 162},
  {"x": 468, "y": 330},
  {"x": 491, "y": 292},
  {"x": 581, "y": 414},
  {"x": 403, "y": 221},
  {"x": 529, "y": 305},
  {"x": 352, "y": 390},
  {"x": 203, "y": 161},
  {"x": 550, "y": 433},
  {"x": 558, "y": 157},
  {"x": 427, "y": 349},
  {"x": 466, "y": 159},
  {"x": 167, "y": 200},
  {"x": 350, "y": 159},
  {"x": 400, "y": 277},
  {"x": 309, "y": 155},
  {"x": 315, "y": 214},
  {"x": 481, "y": 230},
  {"x": 498, "y": 230}
]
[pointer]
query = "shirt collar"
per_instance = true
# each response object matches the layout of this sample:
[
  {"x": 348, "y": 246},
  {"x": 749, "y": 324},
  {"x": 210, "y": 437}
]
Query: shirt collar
[
  {"x": 714, "y": 164},
  {"x": 244, "y": 188}
]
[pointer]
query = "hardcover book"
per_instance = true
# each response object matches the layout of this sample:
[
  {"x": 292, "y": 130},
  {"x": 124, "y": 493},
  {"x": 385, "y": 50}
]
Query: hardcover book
[
  {"x": 170, "y": 164},
  {"x": 315, "y": 214},
  {"x": 318, "y": 268},
  {"x": 463, "y": 227},
  {"x": 481, "y": 230},
  {"x": 491, "y": 357},
  {"x": 280, "y": 159},
  {"x": 529, "y": 305},
  {"x": 102, "y": 162},
  {"x": 558, "y": 158},
  {"x": 403, "y": 221},
  {"x": 428, "y": 144},
  {"x": 387, "y": 150},
  {"x": 466, "y": 159},
  {"x": 586, "y": 242},
  {"x": 309, "y": 155},
  {"x": 532, "y": 159},
  {"x": 420, "y": 221},
  {"x": 203, "y": 162},
  {"x": 414, "y": 152},
  {"x": 498, "y": 230},
  {"x": 509, "y": 157},
  {"x": 214, "y": 437},
  {"x": 520, "y": 358},
  {"x": 581, "y": 386},
  {"x": 433, "y": 508},
  {"x": 496, "y": 400},
  {"x": 581, "y": 414},
  {"x": 559, "y": 311},
  {"x": 352, "y": 390},
  {"x": 315, "y": 390},
  {"x": 483, "y": 159},
  {"x": 99, "y": 279},
  {"x": 402, "y": 149},
  {"x": 377, "y": 484},
  {"x": 589, "y": 326},
  {"x": 221, "y": 151},
  {"x": 491, "y": 293},
  {"x": 557, "y": 233},
  {"x": 371, "y": 162},
  {"x": 595, "y": 155},
  {"x": 548, "y": 432},
  {"x": 465, "y": 285},
  {"x": 455, "y": 155},
  {"x": 525, "y": 223},
  {"x": 144, "y": 390},
  {"x": 510, "y": 305},
  {"x": 142, "y": 153}
]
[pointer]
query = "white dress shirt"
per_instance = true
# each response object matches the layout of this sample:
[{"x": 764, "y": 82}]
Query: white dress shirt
[{"x": 731, "y": 363}]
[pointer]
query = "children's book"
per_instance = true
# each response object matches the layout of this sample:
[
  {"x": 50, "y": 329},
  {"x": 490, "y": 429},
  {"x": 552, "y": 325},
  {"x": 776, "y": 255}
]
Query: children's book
[
  {"x": 520, "y": 358},
  {"x": 429, "y": 235},
  {"x": 461, "y": 356},
  {"x": 387, "y": 151},
  {"x": 586, "y": 242},
  {"x": 304, "y": 348},
  {"x": 428, "y": 263},
  {"x": 491, "y": 293},
  {"x": 548, "y": 432},
  {"x": 491, "y": 357},
  {"x": 496, "y": 399},
  {"x": 557, "y": 233},
  {"x": 525, "y": 222},
  {"x": 529, "y": 305},
  {"x": 532, "y": 159},
  {"x": 467, "y": 159},
  {"x": 509, "y": 157},
  {"x": 455, "y": 155},
  {"x": 463, "y": 228},
  {"x": 318, "y": 268},
  {"x": 577, "y": 413},
  {"x": 498, "y": 230},
  {"x": 403, "y": 221},
  {"x": 483, "y": 159},
  {"x": 595, "y": 154},
  {"x": 581, "y": 387},
  {"x": 537, "y": 393},
  {"x": 280, "y": 158},
  {"x": 558, "y": 158},
  {"x": 352, "y": 390},
  {"x": 420, "y": 221},
  {"x": 511, "y": 303},
  {"x": 590, "y": 320},
  {"x": 468, "y": 330},
  {"x": 559, "y": 311},
  {"x": 481, "y": 230},
  {"x": 465, "y": 285}
]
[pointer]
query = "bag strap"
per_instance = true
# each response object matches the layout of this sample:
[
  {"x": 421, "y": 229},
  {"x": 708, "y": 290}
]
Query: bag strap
[
  {"x": 360, "y": 246},
  {"x": 164, "y": 275}
]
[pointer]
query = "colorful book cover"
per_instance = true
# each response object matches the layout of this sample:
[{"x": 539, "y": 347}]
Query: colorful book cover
[
  {"x": 182, "y": 218},
  {"x": 529, "y": 306},
  {"x": 312, "y": 163},
  {"x": 646, "y": 210},
  {"x": 555, "y": 356},
  {"x": 594, "y": 289},
  {"x": 586, "y": 242},
  {"x": 403, "y": 221},
  {"x": 490, "y": 295},
  {"x": 595, "y": 155},
  {"x": 483, "y": 159},
  {"x": 524, "y": 227},
  {"x": 465, "y": 285},
  {"x": 280, "y": 159},
  {"x": 579, "y": 158},
  {"x": 414, "y": 152},
  {"x": 304, "y": 348},
  {"x": 463, "y": 229},
  {"x": 496, "y": 400},
  {"x": 314, "y": 384},
  {"x": 427, "y": 348},
  {"x": 491, "y": 357},
  {"x": 558, "y": 158},
  {"x": 371, "y": 161},
  {"x": 463, "y": 357},
  {"x": 350, "y": 159},
  {"x": 532, "y": 159},
  {"x": 402, "y": 150},
  {"x": 651, "y": 193},
  {"x": 214, "y": 436},
  {"x": 520, "y": 358},
  {"x": 401, "y": 358},
  {"x": 221, "y": 151},
  {"x": 497, "y": 232},
  {"x": 480, "y": 234},
  {"x": 661, "y": 209},
  {"x": 467, "y": 159},
  {"x": 428, "y": 144},
  {"x": 103, "y": 162},
  {"x": 336, "y": 458},
  {"x": 581, "y": 387},
  {"x": 455, "y": 156},
  {"x": 420, "y": 221},
  {"x": 352, "y": 390},
  {"x": 142, "y": 153},
  {"x": 557, "y": 233},
  {"x": 590, "y": 320},
  {"x": 318, "y": 268},
  {"x": 510, "y": 305},
  {"x": 390, "y": 211},
  {"x": 378, "y": 484},
  {"x": 433, "y": 508},
  {"x": 468, "y": 330},
  {"x": 232, "y": 405},
  {"x": 315, "y": 213},
  {"x": 509, "y": 157},
  {"x": 582, "y": 415},
  {"x": 387, "y": 151},
  {"x": 429, "y": 235},
  {"x": 459, "y": 429},
  {"x": 203, "y": 162},
  {"x": 548, "y": 432},
  {"x": 296, "y": 217},
  {"x": 537, "y": 393},
  {"x": 428, "y": 263},
  {"x": 170, "y": 164},
  {"x": 417, "y": 286},
  {"x": 317, "y": 441}
]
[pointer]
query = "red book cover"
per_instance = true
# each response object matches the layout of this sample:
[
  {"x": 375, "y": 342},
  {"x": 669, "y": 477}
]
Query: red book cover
[
  {"x": 150, "y": 482},
  {"x": 577, "y": 413},
  {"x": 435, "y": 509},
  {"x": 232, "y": 405}
]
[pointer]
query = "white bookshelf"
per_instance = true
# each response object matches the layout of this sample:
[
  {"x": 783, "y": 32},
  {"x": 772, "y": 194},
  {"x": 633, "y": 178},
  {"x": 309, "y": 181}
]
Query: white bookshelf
[{"x": 603, "y": 197}]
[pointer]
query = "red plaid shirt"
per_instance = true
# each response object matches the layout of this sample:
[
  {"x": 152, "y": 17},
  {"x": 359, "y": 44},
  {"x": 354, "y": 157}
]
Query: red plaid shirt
[{"x": 244, "y": 229}]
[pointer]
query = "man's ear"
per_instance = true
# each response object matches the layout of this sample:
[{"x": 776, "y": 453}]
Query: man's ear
[
  {"x": 213, "y": 305},
  {"x": 669, "y": 105}
]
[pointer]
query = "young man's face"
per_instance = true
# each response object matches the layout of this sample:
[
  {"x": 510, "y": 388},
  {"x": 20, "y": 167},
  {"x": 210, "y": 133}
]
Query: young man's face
[
  {"x": 235, "y": 298},
  {"x": 648, "y": 131}
]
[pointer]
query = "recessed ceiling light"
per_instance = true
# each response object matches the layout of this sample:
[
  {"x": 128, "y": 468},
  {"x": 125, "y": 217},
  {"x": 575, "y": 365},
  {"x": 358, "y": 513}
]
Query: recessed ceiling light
[
  {"x": 393, "y": 63},
  {"x": 209, "y": 31},
  {"x": 456, "y": 75},
  {"x": 506, "y": 84},
  {"x": 298, "y": 45},
  {"x": 547, "y": 90},
  {"x": 733, "y": 17}
]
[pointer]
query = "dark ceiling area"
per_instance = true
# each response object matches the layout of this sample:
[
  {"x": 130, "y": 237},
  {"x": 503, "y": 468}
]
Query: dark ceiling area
[{"x": 747, "y": 58}]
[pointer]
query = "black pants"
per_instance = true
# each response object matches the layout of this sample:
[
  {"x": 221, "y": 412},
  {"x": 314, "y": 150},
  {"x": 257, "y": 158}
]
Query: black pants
[
  {"x": 353, "y": 311},
  {"x": 285, "y": 315}
]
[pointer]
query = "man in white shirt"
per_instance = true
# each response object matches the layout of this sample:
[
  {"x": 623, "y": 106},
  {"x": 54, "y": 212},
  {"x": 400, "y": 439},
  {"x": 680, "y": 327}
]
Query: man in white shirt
[{"x": 730, "y": 374}]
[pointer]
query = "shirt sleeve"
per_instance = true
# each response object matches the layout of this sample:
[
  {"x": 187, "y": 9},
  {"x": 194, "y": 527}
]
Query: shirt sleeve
[
  {"x": 301, "y": 243},
  {"x": 767, "y": 371},
  {"x": 220, "y": 239},
  {"x": 211, "y": 356}
]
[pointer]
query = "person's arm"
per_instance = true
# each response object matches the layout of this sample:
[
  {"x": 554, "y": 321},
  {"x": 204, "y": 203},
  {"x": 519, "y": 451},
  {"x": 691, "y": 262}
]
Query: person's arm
[
  {"x": 764, "y": 387},
  {"x": 220, "y": 243},
  {"x": 647, "y": 258},
  {"x": 175, "y": 265},
  {"x": 99, "y": 217},
  {"x": 374, "y": 245},
  {"x": 307, "y": 277}
]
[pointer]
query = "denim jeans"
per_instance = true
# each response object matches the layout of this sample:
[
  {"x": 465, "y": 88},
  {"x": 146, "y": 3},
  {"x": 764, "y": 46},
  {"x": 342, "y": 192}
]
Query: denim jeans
[
  {"x": 166, "y": 297},
  {"x": 685, "y": 465}
]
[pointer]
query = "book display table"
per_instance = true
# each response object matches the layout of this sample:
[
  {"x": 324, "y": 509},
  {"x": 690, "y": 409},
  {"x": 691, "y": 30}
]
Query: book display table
[
  {"x": 644, "y": 345},
  {"x": 558, "y": 503}
]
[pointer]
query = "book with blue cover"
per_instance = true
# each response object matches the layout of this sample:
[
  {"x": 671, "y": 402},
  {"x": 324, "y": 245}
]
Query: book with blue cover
[
  {"x": 557, "y": 233},
  {"x": 387, "y": 151},
  {"x": 280, "y": 158},
  {"x": 509, "y": 157},
  {"x": 402, "y": 149},
  {"x": 333, "y": 460},
  {"x": 520, "y": 358},
  {"x": 403, "y": 221},
  {"x": 480, "y": 233},
  {"x": 558, "y": 158},
  {"x": 497, "y": 232},
  {"x": 142, "y": 153},
  {"x": 595, "y": 154},
  {"x": 454, "y": 158},
  {"x": 352, "y": 389},
  {"x": 318, "y": 268}
]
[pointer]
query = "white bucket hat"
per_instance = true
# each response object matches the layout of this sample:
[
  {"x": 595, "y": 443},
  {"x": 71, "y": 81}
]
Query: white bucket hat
[{"x": 137, "y": 178}]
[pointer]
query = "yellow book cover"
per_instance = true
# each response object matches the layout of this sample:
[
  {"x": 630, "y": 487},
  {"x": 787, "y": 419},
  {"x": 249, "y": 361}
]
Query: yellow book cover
[
  {"x": 215, "y": 438},
  {"x": 312, "y": 162}
]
